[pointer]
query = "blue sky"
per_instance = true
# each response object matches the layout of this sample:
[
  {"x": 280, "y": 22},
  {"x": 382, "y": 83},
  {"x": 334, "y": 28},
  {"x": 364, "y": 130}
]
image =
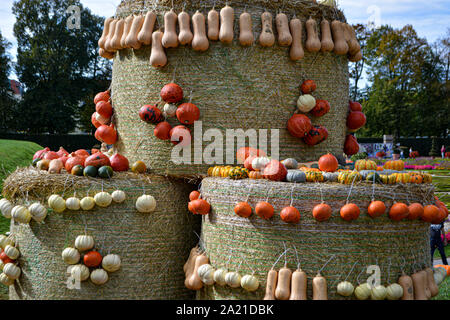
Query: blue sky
[{"x": 431, "y": 19}]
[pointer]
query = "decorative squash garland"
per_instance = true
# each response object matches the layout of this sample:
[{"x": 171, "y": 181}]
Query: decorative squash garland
[{"x": 9, "y": 253}]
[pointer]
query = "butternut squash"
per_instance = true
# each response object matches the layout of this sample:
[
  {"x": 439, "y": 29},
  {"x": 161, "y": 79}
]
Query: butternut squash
[
  {"x": 283, "y": 290},
  {"x": 407, "y": 284},
  {"x": 340, "y": 45},
  {"x": 115, "y": 41},
  {"x": 126, "y": 31},
  {"x": 145, "y": 35},
  {"x": 296, "y": 53},
  {"x": 419, "y": 281},
  {"x": 101, "y": 41},
  {"x": 434, "y": 290},
  {"x": 194, "y": 281},
  {"x": 319, "y": 285},
  {"x": 105, "y": 54},
  {"x": 246, "y": 37},
  {"x": 426, "y": 284},
  {"x": 132, "y": 41},
  {"x": 353, "y": 44},
  {"x": 327, "y": 44},
  {"x": 299, "y": 283},
  {"x": 226, "y": 32},
  {"x": 357, "y": 57},
  {"x": 266, "y": 38},
  {"x": 112, "y": 30},
  {"x": 312, "y": 39},
  {"x": 200, "y": 41},
  {"x": 190, "y": 264},
  {"x": 158, "y": 57},
  {"x": 170, "y": 39},
  {"x": 185, "y": 36},
  {"x": 213, "y": 25},
  {"x": 284, "y": 35},
  {"x": 271, "y": 284}
]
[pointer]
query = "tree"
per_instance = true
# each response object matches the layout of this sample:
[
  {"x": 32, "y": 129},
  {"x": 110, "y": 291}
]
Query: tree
[
  {"x": 7, "y": 103},
  {"x": 59, "y": 67},
  {"x": 357, "y": 69}
]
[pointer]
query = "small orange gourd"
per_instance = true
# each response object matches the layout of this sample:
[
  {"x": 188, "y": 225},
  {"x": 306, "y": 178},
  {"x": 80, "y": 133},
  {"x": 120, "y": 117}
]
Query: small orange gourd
[
  {"x": 322, "y": 212},
  {"x": 185, "y": 36},
  {"x": 264, "y": 210},
  {"x": 213, "y": 25},
  {"x": 319, "y": 288},
  {"x": 350, "y": 212},
  {"x": 406, "y": 283},
  {"x": 200, "y": 41},
  {"x": 226, "y": 32},
  {"x": 415, "y": 211},
  {"x": 312, "y": 39},
  {"x": 290, "y": 215},
  {"x": 266, "y": 38},
  {"x": 296, "y": 53},
  {"x": 105, "y": 54},
  {"x": 243, "y": 209},
  {"x": 158, "y": 57},
  {"x": 145, "y": 35},
  {"x": 398, "y": 211},
  {"x": 376, "y": 209},
  {"x": 284, "y": 35},
  {"x": 170, "y": 38}
]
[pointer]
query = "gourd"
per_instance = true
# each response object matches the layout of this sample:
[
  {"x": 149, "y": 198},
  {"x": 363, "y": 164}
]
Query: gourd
[
  {"x": 194, "y": 282},
  {"x": 345, "y": 289},
  {"x": 5, "y": 280},
  {"x": 118, "y": 33},
  {"x": 312, "y": 39},
  {"x": 296, "y": 176},
  {"x": 284, "y": 35},
  {"x": 118, "y": 196},
  {"x": 70, "y": 255},
  {"x": 219, "y": 277},
  {"x": 330, "y": 176},
  {"x": 145, "y": 35},
  {"x": 233, "y": 279},
  {"x": 43, "y": 164},
  {"x": 319, "y": 284},
  {"x": 105, "y": 54},
  {"x": 200, "y": 41},
  {"x": 340, "y": 45},
  {"x": 12, "y": 252},
  {"x": 112, "y": 30},
  {"x": 283, "y": 289},
  {"x": 394, "y": 291},
  {"x": 111, "y": 262},
  {"x": 87, "y": 203},
  {"x": 353, "y": 44},
  {"x": 299, "y": 283},
  {"x": 426, "y": 286},
  {"x": 84, "y": 242},
  {"x": 170, "y": 110},
  {"x": 290, "y": 163},
  {"x": 131, "y": 41},
  {"x": 439, "y": 275},
  {"x": 266, "y": 38},
  {"x": 264, "y": 210},
  {"x": 99, "y": 276},
  {"x": 57, "y": 203},
  {"x": 6, "y": 208},
  {"x": 126, "y": 31},
  {"x": 290, "y": 215},
  {"x": 103, "y": 199},
  {"x": 158, "y": 57},
  {"x": 327, "y": 44},
  {"x": 243, "y": 209},
  {"x": 4, "y": 241},
  {"x": 271, "y": 284},
  {"x": 21, "y": 214},
  {"x": 376, "y": 209},
  {"x": 170, "y": 39},
  {"x": 419, "y": 281},
  {"x": 12, "y": 271},
  {"x": 322, "y": 212},
  {"x": 249, "y": 283},
  {"x": 350, "y": 212},
  {"x": 363, "y": 291},
  {"x": 406, "y": 283},
  {"x": 246, "y": 37},
  {"x": 434, "y": 290},
  {"x": 73, "y": 203},
  {"x": 260, "y": 163},
  {"x": 80, "y": 272},
  {"x": 306, "y": 103},
  {"x": 355, "y": 58},
  {"x": 185, "y": 36},
  {"x": 206, "y": 274},
  {"x": 55, "y": 166},
  {"x": 102, "y": 40},
  {"x": 378, "y": 293},
  {"x": 296, "y": 53},
  {"x": 38, "y": 212},
  {"x": 213, "y": 25},
  {"x": 146, "y": 204},
  {"x": 226, "y": 32},
  {"x": 328, "y": 163}
]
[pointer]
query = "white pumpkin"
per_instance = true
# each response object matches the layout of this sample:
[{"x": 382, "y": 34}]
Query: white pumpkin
[
  {"x": 306, "y": 103},
  {"x": 363, "y": 291},
  {"x": 219, "y": 277},
  {"x": 111, "y": 262},
  {"x": 70, "y": 255},
  {"x": 206, "y": 274},
  {"x": 233, "y": 279},
  {"x": 21, "y": 214},
  {"x": 378, "y": 293},
  {"x": 12, "y": 252},
  {"x": 84, "y": 242},
  {"x": 99, "y": 276},
  {"x": 331, "y": 3},
  {"x": 87, "y": 203},
  {"x": 57, "y": 203},
  {"x": 170, "y": 110},
  {"x": 7, "y": 240},
  {"x": 11, "y": 271},
  {"x": 250, "y": 283},
  {"x": 345, "y": 289},
  {"x": 146, "y": 204},
  {"x": 73, "y": 203},
  {"x": 101, "y": 119},
  {"x": 118, "y": 196},
  {"x": 103, "y": 199},
  {"x": 5, "y": 280},
  {"x": 80, "y": 272},
  {"x": 260, "y": 163},
  {"x": 38, "y": 212},
  {"x": 394, "y": 291},
  {"x": 6, "y": 208}
]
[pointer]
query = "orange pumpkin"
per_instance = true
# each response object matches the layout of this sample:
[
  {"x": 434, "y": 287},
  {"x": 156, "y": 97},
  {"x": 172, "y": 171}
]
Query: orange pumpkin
[
  {"x": 104, "y": 109},
  {"x": 200, "y": 206},
  {"x": 180, "y": 135},
  {"x": 430, "y": 213},
  {"x": 399, "y": 211},
  {"x": 290, "y": 215},
  {"x": 194, "y": 195},
  {"x": 328, "y": 163},
  {"x": 376, "y": 209},
  {"x": 97, "y": 160},
  {"x": 243, "y": 209},
  {"x": 255, "y": 175},
  {"x": 188, "y": 113},
  {"x": 322, "y": 212},
  {"x": 398, "y": 165},
  {"x": 350, "y": 212},
  {"x": 172, "y": 93},
  {"x": 162, "y": 130},
  {"x": 264, "y": 210},
  {"x": 102, "y": 96},
  {"x": 92, "y": 259},
  {"x": 72, "y": 162},
  {"x": 416, "y": 178},
  {"x": 106, "y": 134},
  {"x": 415, "y": 211}
]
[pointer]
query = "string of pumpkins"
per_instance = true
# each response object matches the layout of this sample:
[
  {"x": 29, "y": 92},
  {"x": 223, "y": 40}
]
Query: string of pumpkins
[
  {"x": 21, "y": 213},
  {"x": 137, "y": 30},
  {"x": 198, "y": 272},
  {"x": 102, "y": 199},
  {"x": 90, "y": 258},
  {"x": 9, "y": 253},
  {"x": 197, "y": 205},
  {"x": 101, "y": 118}
]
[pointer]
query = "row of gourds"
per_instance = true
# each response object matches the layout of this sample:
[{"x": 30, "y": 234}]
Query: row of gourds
[
  {"x": 137, "y": 30},
  {"x": 9, "y": 253}
]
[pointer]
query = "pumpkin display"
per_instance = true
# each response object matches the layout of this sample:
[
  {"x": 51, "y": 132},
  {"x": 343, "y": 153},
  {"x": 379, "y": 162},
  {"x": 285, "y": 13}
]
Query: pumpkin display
[
  {"x": 376, "y": 209},
  {"x": 38, "y": 212},
  {"x": 373, "y": 177},
  {"x": 349, "y": 177},
  {"x": 308, "y": 86},
  {"x": 299, "y": 125},
  {"x": 118, "y": 196},
  {"x": 255, "y": 175},
  {"x": 351, "y": 145},
  {"x": 397, "y": 165},
  {"x": 180, "y": 135},
  {"x": 306, "y": 103},
  {"x": 365, "y": 165},
  {"x": 43, "y": 164},
  {"x": 200, "y": 206},
  {"x": 119, "y": 162},
  {"x": 328, "y": 163},
  {"x": 243, "y": 209},
  {"x": 296, "y": 176},
  {"x": 322, "y": 108},
  {"x": 151, "y": 114},
  {"x": 40, "y": 153},
  {"x": 290, "y": 163},
  {"x": 275, "y": 171},
  {"x": 398, "y": 211},
  {"x": 70, "y": 255},
  {"x": 233, "y": 279},
  {"x": 219, "y": 277},
  {"x": 99, "y": 276},
  {"x": 378, "y": 293},
  {"x": 105, "y": 172},
  {"x": 356, "y": 120},
  {"x": 4, "y": 258},
  {"x": 97, "y": 160},
  {"x": 73, "y": 203},
  {"x": 330, "y": 176},
  {"x": 415, "y": 178},
  {"x": 248, "y": 163},
  {"x": 50, "y": 155},
  {"x": 322, "y": 212},
  {"x": 102, "y": 96},
  {"x": 264, "y": 210},
  {"x": 388, "y": 179},
  {"x": 170, "y": 110},
  {"x": 188, "y": 113},
  {"x": 139, "y": 167},
  {"x": 350, "y": 212},
  {"x": 111, "y": 262},
  {"x": 402, "y": 177},
  {"x": 106, "y": 134},
  {"x": 162, "y": 130},
  {"x": 394, "y": 291},
  {"x": 172, "y": 93},
  {"x": 11, "y": 252},
  {"x": 194, "y": 195},
  {"x": 101, "y": 120},
  {"x": 316, "y": 135},
  {"x": 290, "y": 215},
  {"x": 92, "y": 259},
  {"x": 146, "y": 204},
  {"x": 5, "y": 280},
  {"x": 206, "y": 274},
  {"x": 73, "y": 161}
]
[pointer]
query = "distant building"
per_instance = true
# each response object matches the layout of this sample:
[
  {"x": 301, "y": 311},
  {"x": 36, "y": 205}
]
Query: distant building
[{"x": 16, "y": 89}]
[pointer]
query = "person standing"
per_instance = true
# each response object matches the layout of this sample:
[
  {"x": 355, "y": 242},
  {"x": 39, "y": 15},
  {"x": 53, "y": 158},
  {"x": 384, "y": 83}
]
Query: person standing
[
  {"x": 436, "y": 241},
  {"x": 443, "y": 152}
]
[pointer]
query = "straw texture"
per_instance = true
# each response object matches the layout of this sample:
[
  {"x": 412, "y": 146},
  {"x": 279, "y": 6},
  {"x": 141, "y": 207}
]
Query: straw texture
[
  {"x": 234, "y": 87},
  {"x": 153, "y": 247},
  {"x": 255, "y": 244}
]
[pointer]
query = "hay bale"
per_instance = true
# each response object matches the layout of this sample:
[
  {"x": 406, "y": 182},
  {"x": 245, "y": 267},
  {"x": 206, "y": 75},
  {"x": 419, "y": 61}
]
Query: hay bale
[
  {"x": 234, "y": 87},
  {"x": 153, "y": 247},
  {"x": 255, "y": 244}
]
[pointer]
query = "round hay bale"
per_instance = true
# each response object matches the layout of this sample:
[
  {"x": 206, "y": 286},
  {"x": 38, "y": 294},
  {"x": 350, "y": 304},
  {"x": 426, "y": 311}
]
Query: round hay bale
[
  {"x": 153, "y": 247},
  {"x": 254, "y": 244},
  {"x": 234, "y": 87}
]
